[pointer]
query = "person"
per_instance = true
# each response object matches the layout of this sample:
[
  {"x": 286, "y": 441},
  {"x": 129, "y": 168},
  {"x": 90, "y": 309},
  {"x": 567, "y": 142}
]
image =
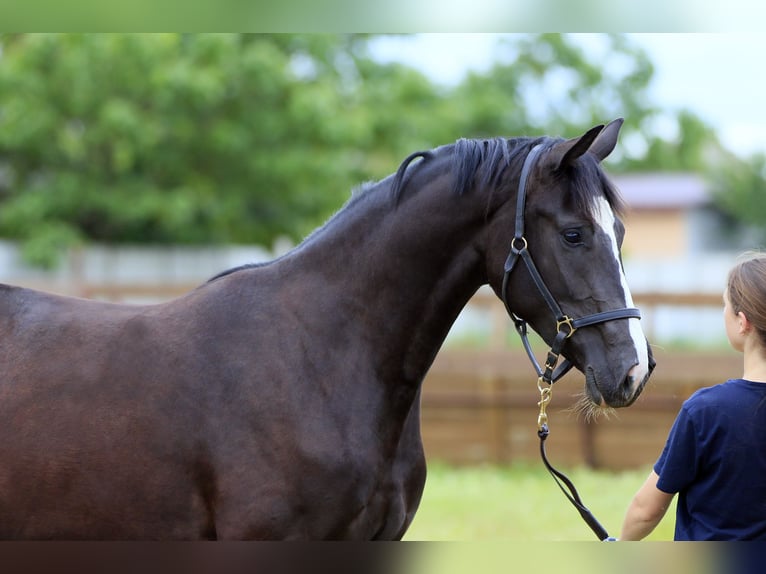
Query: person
[{"x": 715, "y": 455}]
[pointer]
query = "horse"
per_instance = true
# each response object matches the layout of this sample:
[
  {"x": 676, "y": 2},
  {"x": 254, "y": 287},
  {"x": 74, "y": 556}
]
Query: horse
[{"x": 281, "y": 400}]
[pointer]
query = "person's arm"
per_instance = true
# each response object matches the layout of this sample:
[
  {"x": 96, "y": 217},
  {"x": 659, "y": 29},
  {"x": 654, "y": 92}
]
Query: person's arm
[{"x": 646, "y": 510}]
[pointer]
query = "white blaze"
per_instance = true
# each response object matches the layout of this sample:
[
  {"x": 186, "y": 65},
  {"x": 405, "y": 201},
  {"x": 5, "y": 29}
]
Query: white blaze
[{"x": 605, "y": 220}]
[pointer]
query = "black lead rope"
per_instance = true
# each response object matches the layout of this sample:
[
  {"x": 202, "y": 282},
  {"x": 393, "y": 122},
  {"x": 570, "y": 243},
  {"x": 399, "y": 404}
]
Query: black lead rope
[
  {"x": 562, "y": 481},
  {"x": 572, "y": 494}
]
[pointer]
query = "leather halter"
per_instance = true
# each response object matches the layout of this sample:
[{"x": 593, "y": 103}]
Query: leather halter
[
  {"x": 565, "y": 325},
  {"x": 565, "y": 328}
]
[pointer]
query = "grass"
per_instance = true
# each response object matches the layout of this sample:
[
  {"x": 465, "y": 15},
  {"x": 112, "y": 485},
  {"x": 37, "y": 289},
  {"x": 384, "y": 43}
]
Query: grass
[
  {"x": 523, "y": 503},
  {"x": 475, "y": 339}
]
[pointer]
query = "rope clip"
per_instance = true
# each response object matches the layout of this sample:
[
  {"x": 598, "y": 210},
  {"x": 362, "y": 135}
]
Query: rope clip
[{"x": 545, "y": 398}]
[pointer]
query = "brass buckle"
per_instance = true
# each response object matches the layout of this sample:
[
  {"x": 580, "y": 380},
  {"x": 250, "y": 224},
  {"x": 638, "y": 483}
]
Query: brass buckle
[{"x": 568, "y": 322}]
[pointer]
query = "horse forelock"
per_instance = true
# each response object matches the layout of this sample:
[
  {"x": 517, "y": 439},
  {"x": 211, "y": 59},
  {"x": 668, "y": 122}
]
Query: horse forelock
[{"x": 587, "y": 182}]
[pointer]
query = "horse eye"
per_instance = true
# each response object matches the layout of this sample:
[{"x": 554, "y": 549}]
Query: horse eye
[{"x": 572, "y": 236}]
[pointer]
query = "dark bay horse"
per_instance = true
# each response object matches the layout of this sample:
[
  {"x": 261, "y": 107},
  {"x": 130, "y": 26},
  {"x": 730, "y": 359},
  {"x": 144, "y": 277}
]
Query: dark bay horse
[{"x": 281, "y": 400}]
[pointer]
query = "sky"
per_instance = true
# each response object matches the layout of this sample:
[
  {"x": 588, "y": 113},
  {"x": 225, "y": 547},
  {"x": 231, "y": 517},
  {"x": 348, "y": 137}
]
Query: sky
[{"x": 720, "y": 76}]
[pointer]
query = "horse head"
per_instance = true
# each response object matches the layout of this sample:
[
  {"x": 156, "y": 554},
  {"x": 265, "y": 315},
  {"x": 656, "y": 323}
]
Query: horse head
[{"x": 567, "y": 229}]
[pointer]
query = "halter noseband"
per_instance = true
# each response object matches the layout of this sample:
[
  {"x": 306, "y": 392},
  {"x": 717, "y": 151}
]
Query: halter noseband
[{"x": 565, "y": 325}]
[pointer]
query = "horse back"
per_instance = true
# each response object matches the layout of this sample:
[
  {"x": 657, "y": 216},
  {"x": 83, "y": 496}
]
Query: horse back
[{"x": 88, "y": 399}]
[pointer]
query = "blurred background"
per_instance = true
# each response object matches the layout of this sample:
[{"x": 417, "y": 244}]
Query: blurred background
[{"x": 135, "y": 166}]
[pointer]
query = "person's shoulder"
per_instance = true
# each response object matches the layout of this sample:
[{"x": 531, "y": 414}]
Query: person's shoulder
[{"x": 714, "y": 396}]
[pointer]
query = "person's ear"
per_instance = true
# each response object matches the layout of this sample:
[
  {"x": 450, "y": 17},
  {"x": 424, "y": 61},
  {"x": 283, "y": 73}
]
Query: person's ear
[{"x": 744, "y": 323}]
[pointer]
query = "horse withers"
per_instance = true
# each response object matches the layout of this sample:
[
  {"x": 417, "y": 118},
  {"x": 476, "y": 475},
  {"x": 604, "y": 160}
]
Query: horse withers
[{"x": 281, "y": 400}]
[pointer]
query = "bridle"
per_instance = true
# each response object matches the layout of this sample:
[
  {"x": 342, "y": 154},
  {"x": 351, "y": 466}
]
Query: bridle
[{"x": 565, "y": 328}]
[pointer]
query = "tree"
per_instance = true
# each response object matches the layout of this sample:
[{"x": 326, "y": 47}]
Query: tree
[
  {"x": 739, "y": 191},
  {"x": 171, "y": 138},
  {"x": 214, "y": 138},
  {"x": 550, "y": 83}
]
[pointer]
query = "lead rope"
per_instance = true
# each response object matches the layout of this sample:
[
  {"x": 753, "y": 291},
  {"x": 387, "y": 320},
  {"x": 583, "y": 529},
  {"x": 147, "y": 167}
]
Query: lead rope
[{"x": 562, "y": 481}]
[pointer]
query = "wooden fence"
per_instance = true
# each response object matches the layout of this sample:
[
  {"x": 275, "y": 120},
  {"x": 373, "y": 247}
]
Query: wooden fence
[
  {"x": 648, "y": 302},
  {"x": 480, "y": 405}
]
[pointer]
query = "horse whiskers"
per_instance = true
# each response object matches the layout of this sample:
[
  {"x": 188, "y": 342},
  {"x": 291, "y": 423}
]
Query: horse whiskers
[{"x": 589, "y": 411}]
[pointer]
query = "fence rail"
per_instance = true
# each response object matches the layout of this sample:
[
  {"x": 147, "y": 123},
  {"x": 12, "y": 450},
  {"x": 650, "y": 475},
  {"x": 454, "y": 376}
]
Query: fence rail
[
  {"x": 480, "y": 406},
  {"x": 648, "y": 302}
]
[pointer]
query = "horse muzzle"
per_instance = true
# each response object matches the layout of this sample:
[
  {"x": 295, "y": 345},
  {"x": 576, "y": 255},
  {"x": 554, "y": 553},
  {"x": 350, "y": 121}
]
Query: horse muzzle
[{"x": 622, "y": 394}]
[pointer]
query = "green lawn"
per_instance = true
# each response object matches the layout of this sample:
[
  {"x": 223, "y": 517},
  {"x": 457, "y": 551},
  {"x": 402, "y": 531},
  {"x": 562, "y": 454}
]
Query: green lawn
[{"x": 523, "y": 503}]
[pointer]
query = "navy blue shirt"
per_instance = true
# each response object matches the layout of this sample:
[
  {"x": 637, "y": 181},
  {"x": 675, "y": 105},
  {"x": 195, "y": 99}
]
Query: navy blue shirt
[{"x": 715, "y": 459}]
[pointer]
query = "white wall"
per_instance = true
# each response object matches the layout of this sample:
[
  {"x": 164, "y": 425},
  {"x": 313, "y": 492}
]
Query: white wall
[
  {"x": 150, "y": 265},
  {"x": 192, "y": 265}
]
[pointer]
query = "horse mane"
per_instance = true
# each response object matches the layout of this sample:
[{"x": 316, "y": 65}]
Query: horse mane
[
  {"x": 484, "y": 162},
  {"x": 489, "y": 159},
  {"x": 238, "y": 268}
]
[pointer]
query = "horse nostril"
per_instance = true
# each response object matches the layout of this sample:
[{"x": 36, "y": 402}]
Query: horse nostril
[
  {"x": 634, "y": 383},
  {"x": 627, "y": 386}
]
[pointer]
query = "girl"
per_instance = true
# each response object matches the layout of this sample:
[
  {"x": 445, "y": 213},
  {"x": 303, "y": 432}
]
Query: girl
[{"x": 715, "y": 456}]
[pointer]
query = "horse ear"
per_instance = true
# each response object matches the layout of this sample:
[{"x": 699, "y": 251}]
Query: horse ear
[
  {"x": 606, "y": 140},
  {"x": 569, "y": 150}
]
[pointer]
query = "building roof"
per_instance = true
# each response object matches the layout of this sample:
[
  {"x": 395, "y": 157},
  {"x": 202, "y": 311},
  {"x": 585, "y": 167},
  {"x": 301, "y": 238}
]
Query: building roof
[{"x": 662, "y": 190}]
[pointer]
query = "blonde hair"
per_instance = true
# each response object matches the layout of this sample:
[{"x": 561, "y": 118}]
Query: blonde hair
[{"x": 746, "y": 289}]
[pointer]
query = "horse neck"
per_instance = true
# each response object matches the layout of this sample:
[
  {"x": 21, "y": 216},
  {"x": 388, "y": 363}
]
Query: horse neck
[{"x": 399, "y": 275}]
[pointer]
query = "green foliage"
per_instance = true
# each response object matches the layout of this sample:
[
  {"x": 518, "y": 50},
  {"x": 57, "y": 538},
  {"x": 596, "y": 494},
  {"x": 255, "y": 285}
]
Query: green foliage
[
  {"x": 170, "y": 138},
  {"x": 692, "y": 149},
  {"x": 739, "y": 190},
  {"x": 547, "y": 84},
  {"x": 242, "y": 138}
]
